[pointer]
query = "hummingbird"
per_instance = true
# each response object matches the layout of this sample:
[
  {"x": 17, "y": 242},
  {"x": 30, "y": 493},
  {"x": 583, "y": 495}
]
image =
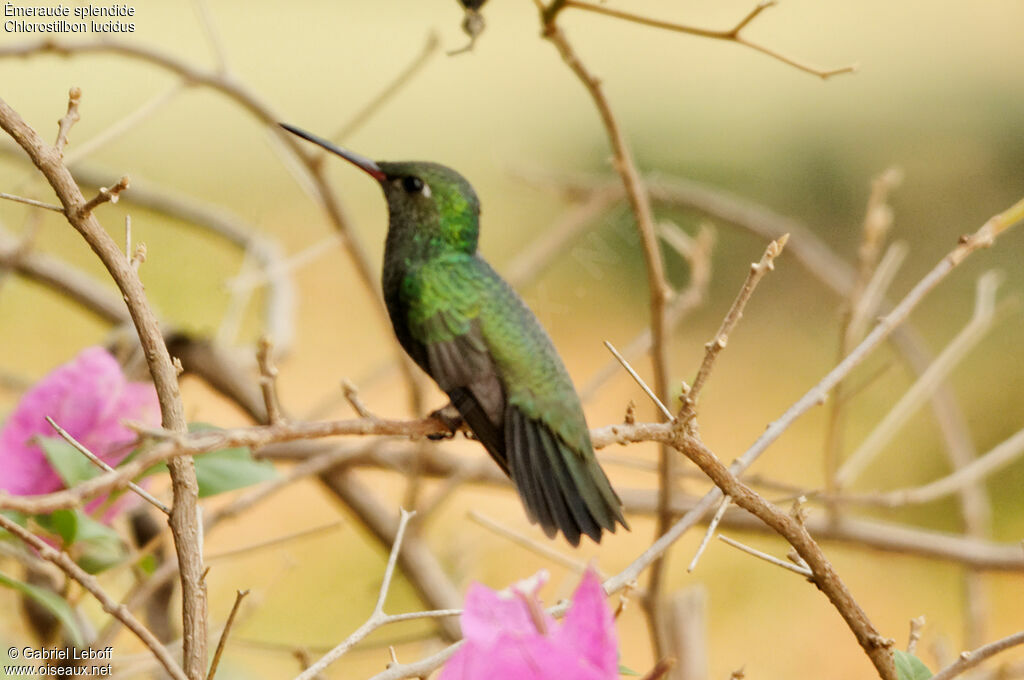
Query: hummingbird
[{"x": 469, "y": 330}]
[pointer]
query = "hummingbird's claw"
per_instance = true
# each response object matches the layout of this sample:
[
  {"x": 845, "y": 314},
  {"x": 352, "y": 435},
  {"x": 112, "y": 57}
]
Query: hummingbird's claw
[{"x": 450, "y": 418}]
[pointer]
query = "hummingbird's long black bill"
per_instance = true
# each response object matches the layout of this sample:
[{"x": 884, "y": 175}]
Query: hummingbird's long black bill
[{"x": 361, "y": 162}]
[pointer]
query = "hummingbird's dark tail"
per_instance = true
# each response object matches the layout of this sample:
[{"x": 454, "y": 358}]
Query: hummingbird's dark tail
[{"x": 561, "y": 488}]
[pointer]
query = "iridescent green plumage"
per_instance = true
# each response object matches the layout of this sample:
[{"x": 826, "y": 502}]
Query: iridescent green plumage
[{"x": 475, "y": 337}]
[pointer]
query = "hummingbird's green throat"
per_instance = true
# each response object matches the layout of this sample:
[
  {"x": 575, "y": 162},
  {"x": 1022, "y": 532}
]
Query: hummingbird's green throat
[{"x": 463, "y": 325}]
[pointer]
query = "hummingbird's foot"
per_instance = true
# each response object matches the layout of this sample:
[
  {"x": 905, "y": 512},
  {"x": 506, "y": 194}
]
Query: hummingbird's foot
[{"x": 450, "y": 418}]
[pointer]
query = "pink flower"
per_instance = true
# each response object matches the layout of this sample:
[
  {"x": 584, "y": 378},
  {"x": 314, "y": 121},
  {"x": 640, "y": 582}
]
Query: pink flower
[
  {"x": 512, "y": 638},
  {"x": 88, "y": 397}
]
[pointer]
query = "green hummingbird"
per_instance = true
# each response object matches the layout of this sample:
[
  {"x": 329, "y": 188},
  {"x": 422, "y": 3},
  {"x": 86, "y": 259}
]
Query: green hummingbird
[{"x": 470, "y": 331}]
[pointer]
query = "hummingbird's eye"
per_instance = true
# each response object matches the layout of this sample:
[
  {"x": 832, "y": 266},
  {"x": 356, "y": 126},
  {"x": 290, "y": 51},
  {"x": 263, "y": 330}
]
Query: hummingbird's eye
[{"x": 412, "y": 184}]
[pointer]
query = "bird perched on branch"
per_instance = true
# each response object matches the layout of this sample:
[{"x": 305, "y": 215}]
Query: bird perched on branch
[{"x": 466, "y": 327}]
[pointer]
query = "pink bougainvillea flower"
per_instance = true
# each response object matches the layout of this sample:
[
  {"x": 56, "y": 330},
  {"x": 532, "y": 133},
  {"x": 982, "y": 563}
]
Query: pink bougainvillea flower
[
  {"x": 510, "y": 637},
  {"x": 89, "y": 397}
]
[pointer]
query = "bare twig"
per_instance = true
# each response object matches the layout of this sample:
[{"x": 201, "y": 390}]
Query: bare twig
[
  {"x": 275, "y": 541},
  {"x": 95, "y": 460},
  {"x": 639, "y": 381},
  {"x": 967, "y": 338},
  {"x": 31, "y": 201},
  {"x": 698, "y": 255},
  {"x": 971, "y": 659},
  {"x": 239, "y": 596},
  {"x": 712, "y": 526},
  {"x": 414, "y": 67},
  {"x": 105, "y": 195},
  {"x": 352, "y": 397},
  {"x": 213, "y": 37},
  {"x": 69, "y": 119},
  {"x": 732, "y": 35},
  {"x": 377, "y": 618},
  {"x": 268, "y": 379},
  {"x": 89, "y": 582},
  {"x": 803, "y": 571},
  {"x": 533, "y": 546},
  {"x": 994, "y": 460},
  {"x": 153, "y": 105},
  {"x": 732, "y": 317}
]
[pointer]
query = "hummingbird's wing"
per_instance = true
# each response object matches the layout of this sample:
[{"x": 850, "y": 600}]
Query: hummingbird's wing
[{"x": 481, "y": 344}]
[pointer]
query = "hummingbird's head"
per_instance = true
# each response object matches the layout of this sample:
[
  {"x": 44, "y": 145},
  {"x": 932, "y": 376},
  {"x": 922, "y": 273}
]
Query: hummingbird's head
[
  {"x": 432, "y": 201},
  {"x": 427, "y": 202}
]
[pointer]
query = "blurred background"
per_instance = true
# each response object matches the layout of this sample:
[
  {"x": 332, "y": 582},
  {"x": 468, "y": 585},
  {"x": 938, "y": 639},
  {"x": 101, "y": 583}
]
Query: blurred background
[{"x": 937, "y": 93}]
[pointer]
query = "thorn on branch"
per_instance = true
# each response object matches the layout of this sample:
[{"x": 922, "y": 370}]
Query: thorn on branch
[
  {"x": 69, "y": 119},
  {"x": 105, "y": 195}
]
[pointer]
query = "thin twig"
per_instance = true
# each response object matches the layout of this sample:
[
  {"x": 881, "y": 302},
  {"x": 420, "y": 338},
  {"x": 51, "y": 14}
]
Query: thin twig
[
  {"x": 95, "y": 460},
  {"x": 971, "y": 659},
  {"x": 1004, "y": 453},
  {"x": 68, "y": 120},
  {"x": 377, "y": 618},
  {"x": 268, "y": 379},
  {"x": 222, "y": 643},
  {"x": 640, "y": 381},
  {"x": 31, "y": 201},
  {"x": 213, "y": 36},
  {"x": 542, "y": 549},
  {"x": 153, "y": 105},
  {"x": 732, "y": 317},
  {"x": 732, "y": 35},
  {"x": 698, "y": 257},
  {"x": 351, "y": 393},
  {"x": 104, "y": 195},
  {"x": 272, "y": 542},
  {"x": 803, "y": 571},
  {"x": 89, "y": 582},
  {"x": 712, "y": 526},
  {"x": 913, "y": 398},
  {"x": 417, "y": 64}
]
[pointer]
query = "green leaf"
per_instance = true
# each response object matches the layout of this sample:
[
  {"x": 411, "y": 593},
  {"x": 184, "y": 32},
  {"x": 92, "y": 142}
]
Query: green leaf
[
  {"x": 71, "y": 465},
  {"x": 98, "y": 547},
  {"x": 909, "y": 667},
  {"x": 53, "y": 602},
  {"x": 626, "y": 671},
  {"x": 229, "y": 469},
  {"x": 63, "y": 523},
  {"x": 224, "y": 470}
]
